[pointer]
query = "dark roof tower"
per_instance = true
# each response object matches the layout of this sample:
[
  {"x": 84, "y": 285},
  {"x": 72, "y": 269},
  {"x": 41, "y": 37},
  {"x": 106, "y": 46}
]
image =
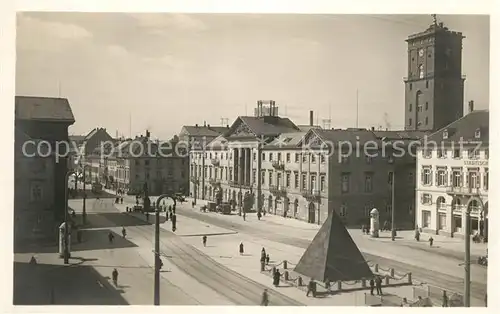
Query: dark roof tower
[{"x": 333, "y": 254}]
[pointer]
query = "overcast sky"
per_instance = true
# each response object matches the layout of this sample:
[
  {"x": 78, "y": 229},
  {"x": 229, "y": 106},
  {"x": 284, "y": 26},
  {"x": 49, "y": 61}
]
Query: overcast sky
[{"x": 169, "y": 70}]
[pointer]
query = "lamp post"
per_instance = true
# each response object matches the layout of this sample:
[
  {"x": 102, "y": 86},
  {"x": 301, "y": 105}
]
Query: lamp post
[
  {"x": 84, "y": 208},
  {"x": 66, "y": 227},
  {"x": 467, "y": 259},
  {"x": 393, "y": 220}
]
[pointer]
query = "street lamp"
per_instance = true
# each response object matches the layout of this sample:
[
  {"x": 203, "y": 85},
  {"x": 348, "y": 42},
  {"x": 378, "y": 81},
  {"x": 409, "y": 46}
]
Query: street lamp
[
  {"x": 393, "y": 220},
  {"x": 66, "y": 254},
  {"x": 467, "y": 258},
  {"x": 84, "y": 208}
]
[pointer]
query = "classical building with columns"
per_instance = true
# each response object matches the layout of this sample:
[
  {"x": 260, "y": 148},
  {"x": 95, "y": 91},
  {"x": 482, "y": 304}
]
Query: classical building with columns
[
  {"x": 300, "y": 174},
  {"x": 453, "y": 175}
]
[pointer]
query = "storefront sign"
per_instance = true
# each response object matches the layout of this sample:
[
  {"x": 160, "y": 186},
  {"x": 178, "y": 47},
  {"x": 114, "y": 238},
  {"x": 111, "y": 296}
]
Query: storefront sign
[{"x": 476, "y": 163}]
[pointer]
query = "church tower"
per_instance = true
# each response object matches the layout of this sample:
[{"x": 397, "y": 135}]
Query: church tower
[{"x": 434, "y": 88}]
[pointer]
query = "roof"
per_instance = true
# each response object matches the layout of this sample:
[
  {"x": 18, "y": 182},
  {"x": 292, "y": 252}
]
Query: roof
[
  {"x": 194, "y": 130},
  {"x": 261, "y": 126},
  {"x": 43, "y": 109},
  {"x": 77, "y": 138},
  {"x": 306, "y": 127},
  {"x": 287, "y": 140},
  {"x": 143, "y": 147},
  {"x": 219, "y": 142},
  {"x": 464, "y": 129},
  {"x": 333, "y": 254}
]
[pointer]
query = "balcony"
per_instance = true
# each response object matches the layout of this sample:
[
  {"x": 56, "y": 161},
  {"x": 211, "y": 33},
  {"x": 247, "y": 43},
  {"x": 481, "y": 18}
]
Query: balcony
[
  {"x": 194, "y": 180},
  {"x": 311, "y": 195},
  {"x": 236, "y": 184},
  {"x": 277, "y": 190},
  {"x": 463, "y": 190},
  {"x": 215, "y": 162},
  {"x": 214, "y": 182},
  {"x": 278, "y": 165}
]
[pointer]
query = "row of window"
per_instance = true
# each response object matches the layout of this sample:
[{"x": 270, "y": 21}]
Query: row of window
[
  {"x": 473, "y": 153},
  {"x": 159, "y": 162},
  {"x": 455, "y": 178}
]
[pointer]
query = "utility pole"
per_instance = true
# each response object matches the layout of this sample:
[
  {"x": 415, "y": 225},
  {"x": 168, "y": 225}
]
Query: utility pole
[
  {"x": 147, "y": 205},
  {"x": 84, "y": 209},
  {"x": 467, "y": 260},
  {"x": 357, "y": 108},
  {"x": 393, "y": 221},
  {"x": 66, "y": 254}
]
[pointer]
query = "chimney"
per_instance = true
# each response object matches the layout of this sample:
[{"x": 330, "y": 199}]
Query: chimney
[
  {"x": 311, "y": 118},
  {"x": 208, "y": 126},
  {"x": 196, "y": 125},
  {"x": 373, "y": 128},
  {"x": 204, "y": 123},
  {"x": 471, "y": 106},
  {"x": 147, "y": 134}
]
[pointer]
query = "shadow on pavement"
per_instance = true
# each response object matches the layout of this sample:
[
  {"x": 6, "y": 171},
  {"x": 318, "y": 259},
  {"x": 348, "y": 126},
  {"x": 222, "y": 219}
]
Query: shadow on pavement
[
  {"x": 97, "y": 239},
  {"x": 43, "y": 284},
  {"x": 118, "y": 219}
]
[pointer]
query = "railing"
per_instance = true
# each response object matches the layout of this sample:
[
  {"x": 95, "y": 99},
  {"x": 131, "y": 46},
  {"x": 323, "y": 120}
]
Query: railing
[
  {"x": 463, "y": 190},
  {"x": 213, "y": 181},
  {"x": 215, "y": 162},
  {"x": 311, "y": 194},
  {"x": 277, "y": 190},
  {"x": 278, "y": 165},
  {"x": 236, "y": 184}
]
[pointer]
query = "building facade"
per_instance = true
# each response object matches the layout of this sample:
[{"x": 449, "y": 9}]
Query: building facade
[
  {"x": 129, "y": 164},
  {"x": 48, "y": 119},
  {"x": 434, "y": 87},
  {"x": 300, "y": 174},
  {"x": 453, "y": 177}
]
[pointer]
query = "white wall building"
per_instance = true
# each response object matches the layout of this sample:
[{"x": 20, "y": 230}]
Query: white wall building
[{"x": 452, "y": 177}]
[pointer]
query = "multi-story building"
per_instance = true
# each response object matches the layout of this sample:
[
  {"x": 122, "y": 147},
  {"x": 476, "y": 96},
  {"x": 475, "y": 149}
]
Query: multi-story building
[
  {"x": 434, "y": 88},
  {"x": 200, "y": 135},
  {"x": 453, "y": 175},
  {"x": 301, "y": 175},
  {"x": 131, "y": 163},
  {"x": 48, "y": 119}
]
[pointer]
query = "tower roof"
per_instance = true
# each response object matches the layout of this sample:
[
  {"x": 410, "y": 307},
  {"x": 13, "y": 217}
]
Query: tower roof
[{"x": 333, "y": 254}]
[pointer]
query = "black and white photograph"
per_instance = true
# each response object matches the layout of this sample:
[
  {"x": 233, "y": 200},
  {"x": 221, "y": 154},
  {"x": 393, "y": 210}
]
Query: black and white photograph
[{"x": 280, "y": 159}]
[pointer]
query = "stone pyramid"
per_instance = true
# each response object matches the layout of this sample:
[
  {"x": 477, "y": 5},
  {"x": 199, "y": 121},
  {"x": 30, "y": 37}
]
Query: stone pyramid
[{"x": 333, "y": 254}]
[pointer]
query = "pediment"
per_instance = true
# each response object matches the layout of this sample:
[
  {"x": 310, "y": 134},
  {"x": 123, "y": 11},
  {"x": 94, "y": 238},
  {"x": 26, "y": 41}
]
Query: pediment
[
  {"x": 241, "y": 129},
  {"x": 312, "y": 139}
]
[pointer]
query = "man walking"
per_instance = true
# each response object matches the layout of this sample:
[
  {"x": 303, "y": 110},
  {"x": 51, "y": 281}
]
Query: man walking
[{"x": 378, "y": 285}]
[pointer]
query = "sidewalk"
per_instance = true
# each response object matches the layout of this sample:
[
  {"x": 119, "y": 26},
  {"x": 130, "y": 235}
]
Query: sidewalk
[{"x": 224, "y": 250}]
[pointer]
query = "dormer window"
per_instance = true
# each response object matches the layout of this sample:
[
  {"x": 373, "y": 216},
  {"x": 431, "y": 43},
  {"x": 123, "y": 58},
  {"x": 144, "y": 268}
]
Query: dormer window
[
  {"x": 477, "y": 134},
  {"x": 445, "y": 134}
]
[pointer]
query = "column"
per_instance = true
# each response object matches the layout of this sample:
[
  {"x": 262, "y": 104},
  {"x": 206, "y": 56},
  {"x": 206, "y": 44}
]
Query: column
[
  {"x": 449, "y": 220},
  {"x": 240, "y": 165},
  {"x": 235, "y": 165},
  {"x": 248, "y": 168}
]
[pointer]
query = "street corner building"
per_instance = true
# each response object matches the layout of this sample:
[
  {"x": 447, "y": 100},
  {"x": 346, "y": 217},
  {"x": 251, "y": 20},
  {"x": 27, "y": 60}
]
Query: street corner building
[
  {"x": 39, "y": 187},
  {"x": 453, "y": 177}
]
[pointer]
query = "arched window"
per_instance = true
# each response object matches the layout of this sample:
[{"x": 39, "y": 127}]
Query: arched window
[{"x": 421, "y": 71}]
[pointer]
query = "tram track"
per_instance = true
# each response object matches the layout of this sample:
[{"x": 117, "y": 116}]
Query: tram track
[{"x": 230, "y": 284}]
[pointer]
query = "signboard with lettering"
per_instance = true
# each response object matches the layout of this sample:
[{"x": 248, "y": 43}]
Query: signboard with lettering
[{"x": 476, "y": 163}]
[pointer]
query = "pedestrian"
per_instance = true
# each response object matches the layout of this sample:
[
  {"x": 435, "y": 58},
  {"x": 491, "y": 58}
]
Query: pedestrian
[
  {"x": 114, "y": 275},
  {"x": 378, "y": 285},
  {"x": 404, "y": 303},
  {"x": 276, "y": 279},
  {"x": 111, "y": 236},
  {"x": 445, "y": 299},
  {"x": 431, "y": 241},
  {"x": 244, "y": 216},
  {"x": 259, "y": 215},
  {"x": 121, "y": 200},
  {"x": 310, "y": 288},
  {"x": 147, "y": 216},
  {"x": 267, "y": 259},
  {"x": 417, "y": 235},
  {"x": 124, "y": 232},
  {"x": 241, "y": 248},
  {"x": 263, "y": 254},
  {"x": 79, "y": 235},
  {"x": 204, "y": 240},
  {"x": 327, "y": 284},
  {"x": 265, "y": 298},
  {"x": 372, "y": 286}
]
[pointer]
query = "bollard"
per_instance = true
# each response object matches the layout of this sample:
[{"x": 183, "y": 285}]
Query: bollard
[
  {"x": 339, "y": 285},
  {"x": 363, "y": 283},
  {"x": 376, "y": 268},
  {"x": 299, "y": 281},
  {"x": 285, "y": 275},
  {"x": 409, "y": 278},
  {"x": 274, "y": 270},
  {"x": 386, "y": 280},
  {"x": 391, "y": 272},
  {"x": 285, "y": 264},
  {"x": 262, "y": 266}
]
